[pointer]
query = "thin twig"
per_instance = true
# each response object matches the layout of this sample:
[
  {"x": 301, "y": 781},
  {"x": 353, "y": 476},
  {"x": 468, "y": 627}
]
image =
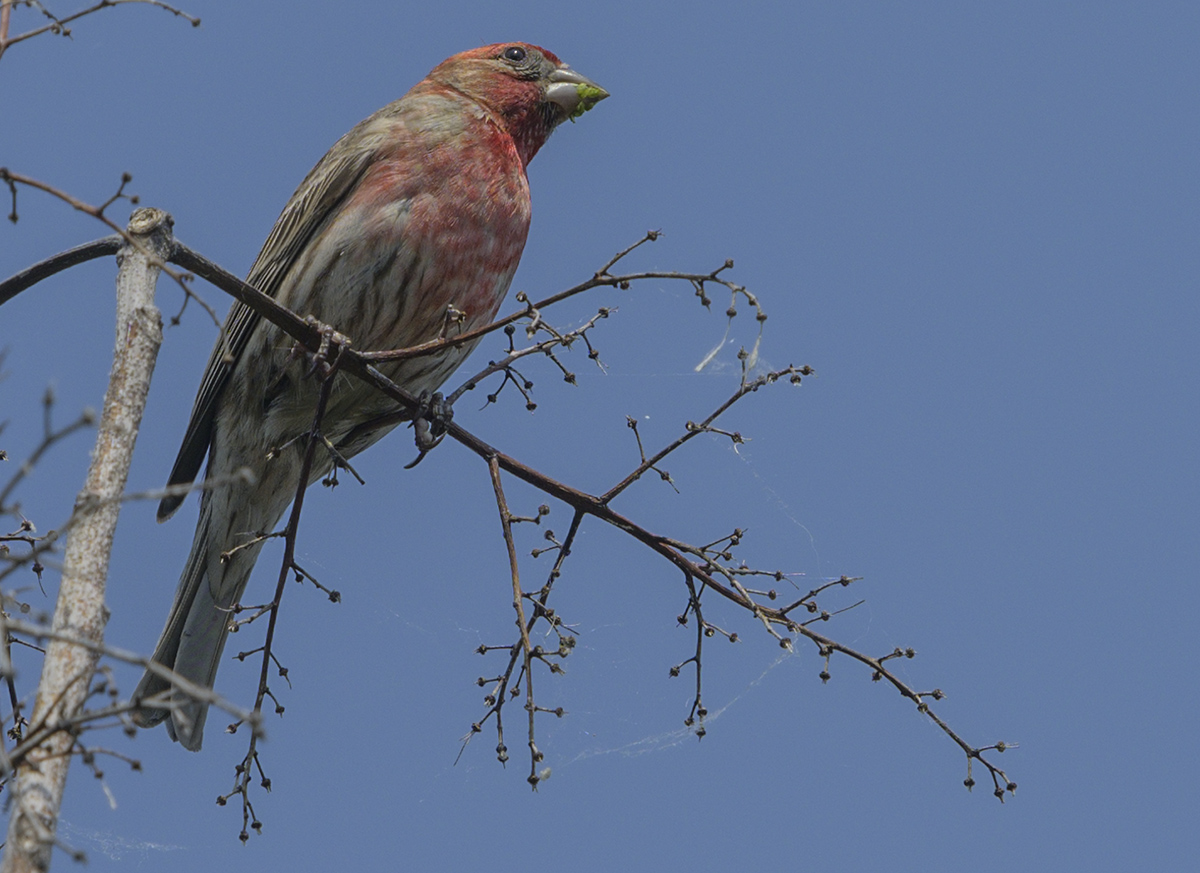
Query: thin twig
[
  {"x": 12, "y": 179},
  {"x": 251, "y": 761},
  {"x": 59, "y": 25}
]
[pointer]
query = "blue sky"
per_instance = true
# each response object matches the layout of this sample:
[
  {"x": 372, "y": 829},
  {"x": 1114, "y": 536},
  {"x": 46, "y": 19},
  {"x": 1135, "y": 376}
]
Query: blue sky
[{"x": 976, "y": 222}]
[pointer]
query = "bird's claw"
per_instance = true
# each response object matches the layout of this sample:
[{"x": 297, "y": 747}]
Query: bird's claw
[
  {"x": 430, "y": 423},
  {"x": 333, "y": 342},
  {"x": 432, "y": 419}
]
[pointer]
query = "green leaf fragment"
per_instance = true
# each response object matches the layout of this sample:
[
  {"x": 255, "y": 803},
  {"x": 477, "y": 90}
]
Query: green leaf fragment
[{"x": 589, "y": 96}]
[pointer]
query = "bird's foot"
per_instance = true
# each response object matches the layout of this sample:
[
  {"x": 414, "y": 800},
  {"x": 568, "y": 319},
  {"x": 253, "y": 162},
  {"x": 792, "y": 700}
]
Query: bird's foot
[
  {"x": 430, "y": 423},
  {"x": 333, "y": 342}
]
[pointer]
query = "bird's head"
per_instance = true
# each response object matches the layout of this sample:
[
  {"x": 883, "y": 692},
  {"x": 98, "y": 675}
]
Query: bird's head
[{"x": 529, "y": 88}]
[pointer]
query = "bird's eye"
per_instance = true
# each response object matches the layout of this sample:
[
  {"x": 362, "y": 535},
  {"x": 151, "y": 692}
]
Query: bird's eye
[{"x": 514, "y": 53}]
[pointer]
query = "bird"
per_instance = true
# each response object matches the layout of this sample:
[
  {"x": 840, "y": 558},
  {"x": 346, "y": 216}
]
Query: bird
[{"x": 410, "y": 228}]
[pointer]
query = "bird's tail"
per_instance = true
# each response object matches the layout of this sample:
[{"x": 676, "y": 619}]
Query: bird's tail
[{"x": 192, "y": 640}]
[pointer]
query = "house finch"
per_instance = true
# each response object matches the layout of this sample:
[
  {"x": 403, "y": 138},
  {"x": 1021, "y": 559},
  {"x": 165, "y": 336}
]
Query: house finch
[{"x": 411, "y": 226}]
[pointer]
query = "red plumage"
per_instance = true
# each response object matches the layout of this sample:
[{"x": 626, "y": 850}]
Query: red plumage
[{"x": 421, "y": 209}]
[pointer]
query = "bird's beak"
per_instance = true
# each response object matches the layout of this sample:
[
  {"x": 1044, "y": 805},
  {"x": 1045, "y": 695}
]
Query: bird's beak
[{"x": 576, "y": 94}]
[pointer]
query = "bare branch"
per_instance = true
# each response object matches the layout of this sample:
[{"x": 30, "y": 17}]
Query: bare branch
[
  {"x": 14, "y": 285},
  {"x": 80, "y": 612},
  {"x": 59, "y": 26},
  {"x": 674, "y": 551},
  {"x": 100, "y": 248}
]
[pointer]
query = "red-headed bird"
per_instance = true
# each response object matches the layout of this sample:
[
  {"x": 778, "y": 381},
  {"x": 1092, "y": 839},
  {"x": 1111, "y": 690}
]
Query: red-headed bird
[{"x": 421, "y": 211}]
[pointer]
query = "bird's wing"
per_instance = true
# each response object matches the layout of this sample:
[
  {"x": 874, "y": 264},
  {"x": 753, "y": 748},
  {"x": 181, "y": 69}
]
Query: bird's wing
[{"x": 330, "y": 182}]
